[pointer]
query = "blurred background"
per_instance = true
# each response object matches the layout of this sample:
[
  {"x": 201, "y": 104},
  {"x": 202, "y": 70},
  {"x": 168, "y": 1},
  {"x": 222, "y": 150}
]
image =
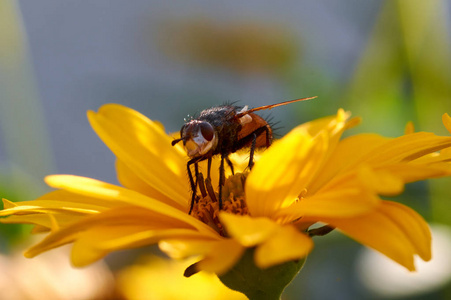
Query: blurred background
[{"x": 386, "y": 61}]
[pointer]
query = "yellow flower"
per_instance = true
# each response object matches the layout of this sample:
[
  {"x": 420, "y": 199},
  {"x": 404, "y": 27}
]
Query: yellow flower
[
  {"x": 309, "y": 176},
  {"x": 156, "y": 278}
]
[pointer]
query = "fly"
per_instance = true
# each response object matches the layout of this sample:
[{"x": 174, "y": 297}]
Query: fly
[{"x": 223, "y": 130}]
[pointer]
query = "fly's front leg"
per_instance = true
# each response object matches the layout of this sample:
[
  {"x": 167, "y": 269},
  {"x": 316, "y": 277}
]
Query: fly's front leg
[
  {"x": 192, "y": 182},
  {"x": 209, "y": 169}
]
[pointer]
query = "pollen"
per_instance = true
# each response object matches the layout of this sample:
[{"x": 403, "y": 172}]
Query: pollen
[{"x": 206, "y": 209}]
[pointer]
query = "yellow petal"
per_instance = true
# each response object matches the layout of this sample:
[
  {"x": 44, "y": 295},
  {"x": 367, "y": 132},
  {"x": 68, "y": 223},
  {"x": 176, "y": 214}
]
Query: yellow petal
[
  {"x": 85, "y": 250},
  {"x": 407, "y": 148},
  {"x": 410, "y": 128},
  {"x": 282, "y": 172},
  {"x": 98, "y": 241},
  {"x": 415, "y": 171},
  {"x": 275, "y": 243},
  {"x": 248, "y": 231},
  {"x": 435, "y": 158},
  {"x": 340, "y": 203},
  {"x": 8, "y": 204},
  {"x": 42, "y": 229},
  {"x": 113, "y": 219},
  {"x": 334, "y": 124},
  {"x": 156, "y": 278},
  {"x": 413, "y": 226},
  {"x": 98, "y": 189},
  {"x": 344, "y": 157},
  {"x": 223, "y": 256},
  {"x": 144, "y": 147},
  {"x": 447, "y": 122},
  {"x": 379, "y": 231},
  {"x": 49, "y": 214},
  {"x": 286, "y": 245},
  {"x": 377, "y": 152},
  {"x": 130, "y": 180},
  {"x": 386, "y": 179},
  {"x": 346, "y": 195},
  {"x": 66, "y": 196},
  {"x": 181, "y": 248},
  {"x": 380, "y": 181},
  {"x": 42, "y": 206},
  {"x": 147, "y": 237},
  {"x": 43, "y": 222}
]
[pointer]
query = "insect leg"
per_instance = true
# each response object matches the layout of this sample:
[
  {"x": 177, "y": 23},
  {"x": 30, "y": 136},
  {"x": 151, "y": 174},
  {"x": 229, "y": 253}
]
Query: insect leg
[
  {"x": 201, "y": 183},
  {"x": 208, "y": 185},
  {"x": 192, "y": 182},
  {"x": 251, "y": 153},
  {"x": 209, "y": 168},
  {"x": 221, "y": 180},
  {"x": 196, "y": 173},
  {"x": 210, "y": 191},
  {"x": 252, "y": 138},
  {"x": 230, "y": 165},
  {"x": 268, "y": 137},
  {"x": 243, "y": 142}
]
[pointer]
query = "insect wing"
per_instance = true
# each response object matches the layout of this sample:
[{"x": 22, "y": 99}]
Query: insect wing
[{"x": 271, "y": 106}]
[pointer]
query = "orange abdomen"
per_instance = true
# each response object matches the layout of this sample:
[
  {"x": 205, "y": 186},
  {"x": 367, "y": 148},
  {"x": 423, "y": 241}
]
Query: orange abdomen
[{"x": 252, "y": 125}]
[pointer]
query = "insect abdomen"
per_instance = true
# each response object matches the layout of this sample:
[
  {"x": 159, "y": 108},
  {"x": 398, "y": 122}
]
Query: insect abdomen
[{"x": 256, "y": 123}]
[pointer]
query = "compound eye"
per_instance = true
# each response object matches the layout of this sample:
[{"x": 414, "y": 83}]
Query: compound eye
[{"x": 207, "y": 131}]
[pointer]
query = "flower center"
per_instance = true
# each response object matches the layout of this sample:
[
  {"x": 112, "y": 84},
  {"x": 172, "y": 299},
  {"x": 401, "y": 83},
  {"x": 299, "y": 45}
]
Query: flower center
[{"x": 206, "y": 209}]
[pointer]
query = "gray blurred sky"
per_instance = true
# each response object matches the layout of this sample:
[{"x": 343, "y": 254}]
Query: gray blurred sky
[{"x": 87, "y": 53}]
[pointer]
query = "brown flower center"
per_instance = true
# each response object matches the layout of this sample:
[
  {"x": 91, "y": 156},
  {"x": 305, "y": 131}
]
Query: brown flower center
[{"x": 206, "y": 209}]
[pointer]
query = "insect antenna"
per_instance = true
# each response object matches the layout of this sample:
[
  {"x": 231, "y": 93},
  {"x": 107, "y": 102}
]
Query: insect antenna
[{"x": 176, "y": 141}]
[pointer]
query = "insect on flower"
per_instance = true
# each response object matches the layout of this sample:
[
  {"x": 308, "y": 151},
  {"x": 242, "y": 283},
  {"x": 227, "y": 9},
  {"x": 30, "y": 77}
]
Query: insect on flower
[{"x": 223, "y": 130}]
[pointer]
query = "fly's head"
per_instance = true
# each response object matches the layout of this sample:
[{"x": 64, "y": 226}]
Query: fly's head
[{"x": 198, "y": 137}]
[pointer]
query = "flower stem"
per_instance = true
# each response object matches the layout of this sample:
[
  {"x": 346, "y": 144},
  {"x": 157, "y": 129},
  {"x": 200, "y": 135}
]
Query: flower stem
[{"x": 261, "y": 284}]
